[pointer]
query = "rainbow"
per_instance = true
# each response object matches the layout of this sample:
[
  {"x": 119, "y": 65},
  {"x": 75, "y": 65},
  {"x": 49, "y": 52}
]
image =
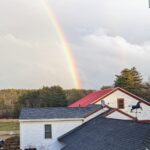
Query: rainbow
[{"x": 67, "y": 50}]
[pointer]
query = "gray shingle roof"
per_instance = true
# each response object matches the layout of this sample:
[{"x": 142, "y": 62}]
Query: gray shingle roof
[
  {"x": 108, "y": 134},
  {"x": 57, "y": 112}
]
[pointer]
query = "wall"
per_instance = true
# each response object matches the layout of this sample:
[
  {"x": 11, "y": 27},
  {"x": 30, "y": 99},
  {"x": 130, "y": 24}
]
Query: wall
[
  {"x": 118, "y": 115},
  {"x": 111, "y": 101},
  {"x": 32, "y": 133},
  {"x": 95, "y": 114}
]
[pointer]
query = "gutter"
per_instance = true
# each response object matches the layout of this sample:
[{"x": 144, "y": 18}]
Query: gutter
[{"x": 55, "y": 120}]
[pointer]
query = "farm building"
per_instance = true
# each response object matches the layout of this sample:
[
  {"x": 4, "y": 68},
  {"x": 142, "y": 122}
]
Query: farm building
[
  {"x": 119, "y": 99},
  {"x": 108, "y": 119}
]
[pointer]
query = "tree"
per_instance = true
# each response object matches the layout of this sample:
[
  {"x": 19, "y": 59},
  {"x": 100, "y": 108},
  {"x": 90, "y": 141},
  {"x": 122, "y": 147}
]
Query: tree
[
  {"x": 106, "y": 87},
  {"x": 145, "y": 93},
  {"x": 129, "y": 79},
  {"x": 54, "y": 96},
  {"x": 76, "y": 94},
  {"x": 46, "y": 97}
]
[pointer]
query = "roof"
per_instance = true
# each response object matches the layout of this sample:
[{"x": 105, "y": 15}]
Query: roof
[
  {"x": 99, "y": 95},
  {"x": 85, "y": 101},
  {"x": 108, "y": 134},
  {"x": 57, "y": 112}
]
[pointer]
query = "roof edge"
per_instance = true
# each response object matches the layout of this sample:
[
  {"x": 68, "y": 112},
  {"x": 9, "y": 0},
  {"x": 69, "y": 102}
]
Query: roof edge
[
  {"x": 126, "y": 92},
  {"x": 56, "y": 119},
  {"x": 98, "y": 109},
  {"x": 113, "y": 90}
]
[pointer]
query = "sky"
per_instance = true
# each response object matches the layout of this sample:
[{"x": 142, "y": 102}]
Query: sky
[{"x": 105, "y": 36}]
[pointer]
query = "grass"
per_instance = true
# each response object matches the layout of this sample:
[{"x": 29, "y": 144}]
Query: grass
[{"x": 9, "y": 125}]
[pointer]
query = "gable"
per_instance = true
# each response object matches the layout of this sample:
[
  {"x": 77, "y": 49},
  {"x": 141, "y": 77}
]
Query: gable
[
  {"x": 121, "y": 93},
  {"x": 119, "y": 115},
  {"x": 97, "y": 96},
  {"x": 129, "y": 100}
]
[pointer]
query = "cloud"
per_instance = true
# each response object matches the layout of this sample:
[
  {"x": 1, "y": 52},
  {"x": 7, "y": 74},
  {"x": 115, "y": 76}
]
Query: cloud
[
  {"x": 105, "y": 35},
  {"x": 31, "y": 65},
  {"x": 11, "y": 39},
  {"x": 125, "y": 18},
  {"x": 102, "y": 56}
]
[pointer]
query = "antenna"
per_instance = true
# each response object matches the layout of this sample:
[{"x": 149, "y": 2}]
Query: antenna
[{"x": 103, "y": 103}]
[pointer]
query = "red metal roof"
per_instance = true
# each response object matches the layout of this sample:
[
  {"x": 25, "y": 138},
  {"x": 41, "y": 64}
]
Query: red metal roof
[
  {"x": 92, "y": 97},
  {"x": 99, "y": 95}
]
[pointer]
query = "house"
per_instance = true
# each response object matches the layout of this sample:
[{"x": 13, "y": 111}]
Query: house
[
  {"x": 40, "y": 127},
  {"x": 121, "y": 100},
  {"x": 80, "y": 128},
  {"x": 89, "y": 124},
  {"x": 108, "y": 134}
]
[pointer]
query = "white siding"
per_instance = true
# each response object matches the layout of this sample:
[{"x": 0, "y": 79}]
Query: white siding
[
  {"x": 32, "y": 134},
  {"x": 111, "y": 101},
  {"x": 95, "y": 114},
  {"x": 32, "y": 131},
  {"x": 118, "y": 115}
]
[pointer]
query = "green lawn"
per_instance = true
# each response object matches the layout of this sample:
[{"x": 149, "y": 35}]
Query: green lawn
[{"x": 9, "y": 125}]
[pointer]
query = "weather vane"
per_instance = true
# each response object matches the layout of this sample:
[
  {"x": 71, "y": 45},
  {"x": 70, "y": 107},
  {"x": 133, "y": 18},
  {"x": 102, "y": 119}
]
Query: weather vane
[{"x": 136, "y": 107}]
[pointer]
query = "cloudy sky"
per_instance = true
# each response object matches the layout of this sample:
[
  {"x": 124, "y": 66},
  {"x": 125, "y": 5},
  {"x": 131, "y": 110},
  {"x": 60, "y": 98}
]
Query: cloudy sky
[{"x": 105, "y": 36}]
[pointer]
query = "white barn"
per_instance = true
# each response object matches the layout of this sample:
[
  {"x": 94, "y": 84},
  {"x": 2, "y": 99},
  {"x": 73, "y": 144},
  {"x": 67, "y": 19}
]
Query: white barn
[
  {"x": 41, "y": 128},
  {"x": 118, "y": 99}
]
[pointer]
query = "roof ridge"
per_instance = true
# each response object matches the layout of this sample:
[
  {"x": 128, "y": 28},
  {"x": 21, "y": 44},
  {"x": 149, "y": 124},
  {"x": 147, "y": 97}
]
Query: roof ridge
[{"x": 109, "y": 111}]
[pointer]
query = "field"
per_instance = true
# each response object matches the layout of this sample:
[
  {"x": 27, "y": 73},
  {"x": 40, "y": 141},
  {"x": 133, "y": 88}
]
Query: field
[
  {"x": 9, "y": 125},
  {"x": 8, "y": 128}
]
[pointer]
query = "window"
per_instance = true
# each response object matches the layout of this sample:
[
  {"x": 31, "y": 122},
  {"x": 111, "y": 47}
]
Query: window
[
  {"x": 48, "y": 131},
  {"x": 121, "y": 103}
]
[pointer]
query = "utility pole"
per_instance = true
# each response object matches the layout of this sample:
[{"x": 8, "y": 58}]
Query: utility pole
[{"x": 149, "y": 3}]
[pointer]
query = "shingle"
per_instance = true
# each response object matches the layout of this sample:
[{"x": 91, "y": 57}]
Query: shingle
[
  {"x": 108, "y": 134},
  {"x": 57, "y": 112}
]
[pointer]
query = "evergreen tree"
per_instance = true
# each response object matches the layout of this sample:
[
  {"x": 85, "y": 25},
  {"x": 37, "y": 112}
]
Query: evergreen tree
[
  {"x": 54, "y": 96},
  {"x": 129, "y": 79},
  {"x": 76, "y": 94}
]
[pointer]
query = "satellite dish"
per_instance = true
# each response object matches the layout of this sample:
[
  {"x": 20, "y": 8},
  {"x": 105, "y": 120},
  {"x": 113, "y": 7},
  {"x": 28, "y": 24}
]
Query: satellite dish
[{"x": 103, "y": 103}]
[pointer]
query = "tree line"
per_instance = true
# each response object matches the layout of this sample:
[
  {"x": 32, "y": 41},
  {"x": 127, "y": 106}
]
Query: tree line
[{"x": 12, "y": 100}]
